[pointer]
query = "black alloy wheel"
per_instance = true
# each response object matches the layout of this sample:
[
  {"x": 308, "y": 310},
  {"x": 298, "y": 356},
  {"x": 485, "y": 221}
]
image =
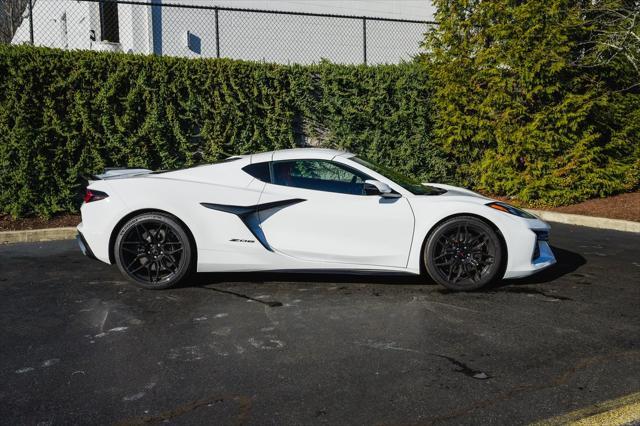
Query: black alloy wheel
[
  {"x": 154, "y": 251},
  {"x": 464, "y": 253}
]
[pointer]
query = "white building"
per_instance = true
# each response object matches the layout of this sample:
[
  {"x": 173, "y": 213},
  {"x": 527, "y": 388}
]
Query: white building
[{"x": 166, "y": 29}]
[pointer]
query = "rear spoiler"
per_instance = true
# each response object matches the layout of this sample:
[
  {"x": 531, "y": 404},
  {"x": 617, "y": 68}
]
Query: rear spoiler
[
  {"x": 115, "y": 173},
  {"x": 123, "y": 172}
]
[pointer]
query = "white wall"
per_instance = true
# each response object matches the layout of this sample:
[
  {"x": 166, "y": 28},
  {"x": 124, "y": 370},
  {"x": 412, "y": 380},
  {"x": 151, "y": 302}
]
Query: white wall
[
  {"x": 63, "y": 24},
  {"x": 67, "y": 24},
  {"x": 135, "y": 28},
  {"x": 297, "y": 39},
  {"x": 421, "y": 10},
  {"x": 251, "y": 36}
]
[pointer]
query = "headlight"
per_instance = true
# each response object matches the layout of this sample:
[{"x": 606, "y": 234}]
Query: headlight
[{"x": 504, "y": 207}]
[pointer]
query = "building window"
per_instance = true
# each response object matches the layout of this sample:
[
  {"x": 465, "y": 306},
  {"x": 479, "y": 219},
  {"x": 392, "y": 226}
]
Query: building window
[{"x": 109, "y": 22}]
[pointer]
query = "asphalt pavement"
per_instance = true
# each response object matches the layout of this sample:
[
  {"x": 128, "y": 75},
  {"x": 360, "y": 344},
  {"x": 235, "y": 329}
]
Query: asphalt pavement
[{"x": 79, "y": 344}]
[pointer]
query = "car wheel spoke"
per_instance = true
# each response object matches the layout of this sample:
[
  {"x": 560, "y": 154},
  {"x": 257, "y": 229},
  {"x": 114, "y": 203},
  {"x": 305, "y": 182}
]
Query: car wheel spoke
[
  {"x": 128, "y": 250},
  {"x": 157, "y": 264},
  {"x": 173, "y": 263},
  {"x": 458, "y": 274},
  {"x": 149, "y": 272},
  {"x": 138, "y": 268},
  {"x": 445, "y": 253},
  {"x": 136, "y": 259}
]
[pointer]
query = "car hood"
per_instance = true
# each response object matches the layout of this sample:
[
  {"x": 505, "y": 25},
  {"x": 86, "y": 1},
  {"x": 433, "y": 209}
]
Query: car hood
[{"x": 456, "y": 191}]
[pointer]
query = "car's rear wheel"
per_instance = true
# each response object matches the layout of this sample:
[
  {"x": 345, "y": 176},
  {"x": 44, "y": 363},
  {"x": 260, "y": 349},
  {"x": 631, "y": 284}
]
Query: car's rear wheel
[
  {"x": 464, "y": 253},
  {"x": 153, "y": 250}
]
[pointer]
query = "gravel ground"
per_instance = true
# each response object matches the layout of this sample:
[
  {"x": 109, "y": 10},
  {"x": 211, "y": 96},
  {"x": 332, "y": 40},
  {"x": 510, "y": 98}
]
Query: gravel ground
[
  {"x": 623, "y": 206},
  {"x": 59, "y": 221}
]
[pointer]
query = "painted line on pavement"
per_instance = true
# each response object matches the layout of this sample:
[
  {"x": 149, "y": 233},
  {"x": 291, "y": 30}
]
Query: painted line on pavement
[{"x": 616, "y": 412}]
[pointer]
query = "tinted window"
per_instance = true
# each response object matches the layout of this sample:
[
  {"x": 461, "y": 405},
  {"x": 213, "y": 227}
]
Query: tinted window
[
  {"x": 412, "y": 185},
  {"x": 259, "y": 171},
  {"x": 319, "y": 175}
]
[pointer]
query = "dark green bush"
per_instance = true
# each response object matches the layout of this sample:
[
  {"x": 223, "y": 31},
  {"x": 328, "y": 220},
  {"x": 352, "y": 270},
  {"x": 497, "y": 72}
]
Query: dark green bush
[{"x": 63, "y": 113}]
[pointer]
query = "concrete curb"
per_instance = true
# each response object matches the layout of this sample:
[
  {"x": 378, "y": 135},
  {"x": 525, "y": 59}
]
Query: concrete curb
[
  {"x": 53, "y": 234},
  {"x": 590, "y": 221},
  {"x": 37, "y": 235}
]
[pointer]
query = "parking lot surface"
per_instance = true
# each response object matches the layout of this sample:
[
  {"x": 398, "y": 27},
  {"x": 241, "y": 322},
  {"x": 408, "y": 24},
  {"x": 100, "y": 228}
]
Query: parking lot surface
[{"x": 79, "y": 344}]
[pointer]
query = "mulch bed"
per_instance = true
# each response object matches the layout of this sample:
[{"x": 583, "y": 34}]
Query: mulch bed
[
  {"x": 623, "y": 206},
  {"x": 60, "y": 221}
]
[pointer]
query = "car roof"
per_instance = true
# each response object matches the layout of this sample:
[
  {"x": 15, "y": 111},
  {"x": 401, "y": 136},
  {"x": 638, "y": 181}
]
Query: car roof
[{"x": 299, "y": 153}]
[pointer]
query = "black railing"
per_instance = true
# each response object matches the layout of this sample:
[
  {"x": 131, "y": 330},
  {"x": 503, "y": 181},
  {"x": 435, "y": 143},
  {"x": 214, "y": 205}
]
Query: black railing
[{"x": 201, "y": 30}]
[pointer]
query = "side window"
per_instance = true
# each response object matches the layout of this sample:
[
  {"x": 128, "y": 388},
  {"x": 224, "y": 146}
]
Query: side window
[
  {"x": 319, "y": 175},
  {"x": 259, "y": 171}
]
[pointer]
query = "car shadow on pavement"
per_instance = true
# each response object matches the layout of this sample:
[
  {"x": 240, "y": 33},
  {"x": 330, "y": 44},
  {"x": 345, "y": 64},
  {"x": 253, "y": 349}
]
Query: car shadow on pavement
[
  {"x": 567, "y": 262},
  {"x": 307, "y": 277}
]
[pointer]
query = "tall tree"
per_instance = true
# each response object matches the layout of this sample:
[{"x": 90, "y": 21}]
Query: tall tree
[{"x": 516, "y": 107}]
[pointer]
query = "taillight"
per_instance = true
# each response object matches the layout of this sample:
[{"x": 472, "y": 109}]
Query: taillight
[{"x": 93, "y": 195}]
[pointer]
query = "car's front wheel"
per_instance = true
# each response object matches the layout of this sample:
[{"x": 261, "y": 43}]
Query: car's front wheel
[
  {"x": 153, "y": 250},
  {"x": 464, "y": 253}
]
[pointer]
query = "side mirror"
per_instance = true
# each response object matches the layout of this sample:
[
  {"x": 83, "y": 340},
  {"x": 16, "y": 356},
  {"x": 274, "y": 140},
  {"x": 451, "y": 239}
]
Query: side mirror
[{"x": 375, "y": 187}]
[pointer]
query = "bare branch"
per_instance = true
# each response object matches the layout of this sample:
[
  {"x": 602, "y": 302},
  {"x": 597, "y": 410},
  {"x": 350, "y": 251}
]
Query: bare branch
[{"x": 614, "y": 34}]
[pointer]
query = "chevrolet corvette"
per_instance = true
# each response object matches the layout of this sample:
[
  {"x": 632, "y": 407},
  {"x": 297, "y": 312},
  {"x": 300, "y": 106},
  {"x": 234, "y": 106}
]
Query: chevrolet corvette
[{"x": 305, "y": 209}]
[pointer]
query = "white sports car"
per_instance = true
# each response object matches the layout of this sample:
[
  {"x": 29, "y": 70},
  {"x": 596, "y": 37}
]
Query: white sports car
[{"x": 304, "y": 209}]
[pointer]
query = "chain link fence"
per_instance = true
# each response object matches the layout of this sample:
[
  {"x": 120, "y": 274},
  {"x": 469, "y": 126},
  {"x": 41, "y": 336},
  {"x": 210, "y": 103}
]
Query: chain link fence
[{"x": 197, "y": 28}]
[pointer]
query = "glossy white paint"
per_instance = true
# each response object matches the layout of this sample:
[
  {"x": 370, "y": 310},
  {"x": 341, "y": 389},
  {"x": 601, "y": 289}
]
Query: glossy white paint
[
  {"x": 363, "y": 230},
  {"x": 327, "y": 231}
]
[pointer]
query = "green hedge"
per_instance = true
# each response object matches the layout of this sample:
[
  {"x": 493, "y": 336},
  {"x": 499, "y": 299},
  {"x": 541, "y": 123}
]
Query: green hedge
[{"x": 63, "y": 113}]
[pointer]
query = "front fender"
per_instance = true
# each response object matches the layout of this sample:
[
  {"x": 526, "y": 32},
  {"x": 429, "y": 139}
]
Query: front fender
[{"x": 516, "y": 232}]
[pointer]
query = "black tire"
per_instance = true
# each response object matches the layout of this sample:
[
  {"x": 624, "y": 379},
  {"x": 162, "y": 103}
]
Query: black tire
[
  {"x": 154, "y": 251},
  {"x": 464, "y": 253}
]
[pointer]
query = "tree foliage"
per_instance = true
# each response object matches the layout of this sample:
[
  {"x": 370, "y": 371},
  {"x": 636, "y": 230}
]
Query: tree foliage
[{"x": 519, "y": 110}]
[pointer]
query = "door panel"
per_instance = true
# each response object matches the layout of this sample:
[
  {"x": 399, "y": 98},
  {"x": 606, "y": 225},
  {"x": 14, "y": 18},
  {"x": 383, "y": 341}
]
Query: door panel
[{"x": 336, "y": 227}]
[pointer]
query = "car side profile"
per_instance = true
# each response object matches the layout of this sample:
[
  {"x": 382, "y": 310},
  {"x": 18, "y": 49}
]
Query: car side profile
[{"x": 305, "y": 209}]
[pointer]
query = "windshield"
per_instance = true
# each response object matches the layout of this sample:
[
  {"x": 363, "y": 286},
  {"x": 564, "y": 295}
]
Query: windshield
[{"x": 410, "y": 184}]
